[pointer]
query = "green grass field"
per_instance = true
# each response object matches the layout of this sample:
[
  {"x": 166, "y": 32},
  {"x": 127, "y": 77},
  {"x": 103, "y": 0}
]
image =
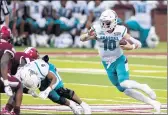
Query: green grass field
[{"x": 87, "y": 77}]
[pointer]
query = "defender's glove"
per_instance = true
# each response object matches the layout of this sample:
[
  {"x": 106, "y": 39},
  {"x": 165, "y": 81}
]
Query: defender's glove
[
  {"x": 44, "y": 94},
  {"x": 33, "y": 93},
  {"x": 7, "y": 88}
]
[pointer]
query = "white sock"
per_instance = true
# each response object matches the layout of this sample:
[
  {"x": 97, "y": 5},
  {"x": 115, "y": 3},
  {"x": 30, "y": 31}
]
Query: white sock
[
  {"x": 77, "y": 41},
  {"x": 74, "y": 108},
  {"x": 83, "y": 104},
  {"x": 130, "y": 84},
  {"x": 138, "y": 96},
  {"x": 72, "y": 104}
]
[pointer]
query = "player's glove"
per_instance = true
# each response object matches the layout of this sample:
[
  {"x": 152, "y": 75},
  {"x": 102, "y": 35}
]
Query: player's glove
[
  {"x": 33, "y": 93},
  {"x": 7, "y": 88},
  {"x": 44, "y": 94}
]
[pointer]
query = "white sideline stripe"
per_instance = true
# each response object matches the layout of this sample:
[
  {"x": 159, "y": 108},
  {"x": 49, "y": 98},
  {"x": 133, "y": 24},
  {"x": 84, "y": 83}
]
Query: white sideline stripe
[
  {"x": 133, "y": 56},
  {"x": 109, "y": 100},
  {"x": 99, "y": 62},
  {"x": 149, "y": 71},
  {"x": 131, "y": 98},
  {"x": 33, "y": 111},
  {"x": 149, "y": 57},
  {"x": 106, "y": 86},
  {"x": 93, "y": 107},
  {"x": 98, "y": 108},
  {"x": 102, "y": 72}
]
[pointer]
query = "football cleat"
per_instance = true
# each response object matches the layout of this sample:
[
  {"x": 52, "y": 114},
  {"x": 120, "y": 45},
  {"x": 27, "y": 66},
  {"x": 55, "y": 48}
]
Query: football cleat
[{"x": 157, "y": 106}]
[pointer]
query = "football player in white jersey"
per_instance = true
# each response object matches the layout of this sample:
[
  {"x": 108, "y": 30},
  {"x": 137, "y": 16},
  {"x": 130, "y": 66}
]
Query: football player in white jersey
[
  {"x": 33, "y": 73},
  {"x": 109, "y": 36},
  {"x": 140, "y": 24},
  {"x": 36, "y": 20}
]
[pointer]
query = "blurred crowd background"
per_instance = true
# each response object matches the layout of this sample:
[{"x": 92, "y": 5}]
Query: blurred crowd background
[{"x": 60, "y": 23}]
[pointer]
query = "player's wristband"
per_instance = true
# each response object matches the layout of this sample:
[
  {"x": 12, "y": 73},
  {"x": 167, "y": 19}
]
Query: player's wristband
[
  {"x": 49, "y": 89},
  {"x": 6, "y": 83},
  {"x": 133, "y": 46}
]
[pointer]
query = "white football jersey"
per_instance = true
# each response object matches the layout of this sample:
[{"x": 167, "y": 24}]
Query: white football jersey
[
  {"x": 62, "y": 11},
  {"x": 35, "y": 9},
  {"x": 39, "y": 67},
  {"x": 97, "y": 10},
  {"x": 143, "y": 9},
  {"x": 79, "y": 7},
  {"x": 108, "y": 43}
]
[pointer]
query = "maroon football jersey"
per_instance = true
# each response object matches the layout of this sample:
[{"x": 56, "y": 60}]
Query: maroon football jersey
[
  {"x": 6, "y": 47},
  {"x": 16, "y": 61}
]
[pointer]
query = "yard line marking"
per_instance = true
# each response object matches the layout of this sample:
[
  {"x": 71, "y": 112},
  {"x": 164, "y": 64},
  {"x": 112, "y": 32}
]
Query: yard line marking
[
  {"x": 102, "y": 72},
  {"x": 106, "y": 86},
  {"x": 99, "y": 62}
]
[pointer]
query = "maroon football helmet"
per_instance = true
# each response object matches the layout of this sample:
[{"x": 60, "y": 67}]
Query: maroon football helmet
[
  {"x": 5, "y": 33},
  {"x": 32, "y": 52}
]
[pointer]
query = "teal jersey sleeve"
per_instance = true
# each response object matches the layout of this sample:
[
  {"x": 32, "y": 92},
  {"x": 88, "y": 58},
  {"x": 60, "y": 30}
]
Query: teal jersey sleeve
[{"x": 52, "y": 68}]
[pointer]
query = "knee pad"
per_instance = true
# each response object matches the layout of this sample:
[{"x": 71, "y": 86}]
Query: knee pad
[
  {"x": 65, "y": 92},
  {"x": 61, "y": 101}
]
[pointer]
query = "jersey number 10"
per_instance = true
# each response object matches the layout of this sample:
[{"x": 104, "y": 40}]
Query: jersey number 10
[{"x": 109, "y": 44}]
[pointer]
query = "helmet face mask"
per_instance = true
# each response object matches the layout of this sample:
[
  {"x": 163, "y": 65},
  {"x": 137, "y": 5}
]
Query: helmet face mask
[{"x": 108, "y": 20}]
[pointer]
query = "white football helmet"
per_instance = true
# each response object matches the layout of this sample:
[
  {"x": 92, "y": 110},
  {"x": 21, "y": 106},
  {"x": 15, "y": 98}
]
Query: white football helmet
[
  {"x": 108, "y": 20},
  {"x": 30, "y": 79}
]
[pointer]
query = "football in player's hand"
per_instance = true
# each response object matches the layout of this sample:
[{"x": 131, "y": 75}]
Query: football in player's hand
[{"x": 123, "y": 42}]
